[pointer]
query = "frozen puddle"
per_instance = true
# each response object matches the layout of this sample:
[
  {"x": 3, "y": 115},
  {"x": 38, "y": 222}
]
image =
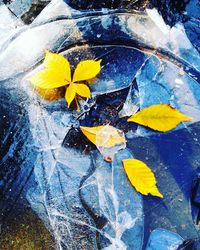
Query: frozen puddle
[{"x": 85, "y": 202}]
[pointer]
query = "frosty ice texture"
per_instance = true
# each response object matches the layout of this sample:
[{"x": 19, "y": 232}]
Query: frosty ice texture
[{"x": 85, "y": 202}]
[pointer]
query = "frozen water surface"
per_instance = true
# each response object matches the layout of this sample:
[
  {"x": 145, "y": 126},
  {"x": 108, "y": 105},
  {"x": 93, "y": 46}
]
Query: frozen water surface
[{"x": 85, "y": 202}]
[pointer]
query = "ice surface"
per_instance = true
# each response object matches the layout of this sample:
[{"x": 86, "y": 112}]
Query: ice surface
[
  {"x": 19, "y": 7},
  {"x": 192, "y": 24},
  {"x": 103, "y": 193},
  {"x": 56, "y": 9},
  {"x": 103, "y": 139},
  {"x": 131, "y": 105},
  {"x": 9, "y": 21},
  {"x": 68, "y": 32},
  {"x": 85, "y": 202},
  {"x": 163, "y": 239},
  {"x": 174, "y": 159},
  {"x": 163, "y": 82}
]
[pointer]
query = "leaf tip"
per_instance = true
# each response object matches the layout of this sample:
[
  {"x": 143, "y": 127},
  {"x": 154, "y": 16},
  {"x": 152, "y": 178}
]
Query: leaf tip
[
  {"x": 188, "y": 118},
  {"x": 161, "y": 196},
  {"x": 82, "y": 128},
  {"x": 100, "y": 60},
  {"x": 157, "y": 193},
  {"x": 46, "y": 52},
  {"x": 129, "y": 119}
]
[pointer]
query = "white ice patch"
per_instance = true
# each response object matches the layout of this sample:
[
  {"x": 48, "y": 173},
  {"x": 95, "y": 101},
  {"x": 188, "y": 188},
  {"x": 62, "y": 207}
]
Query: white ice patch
[
  {"x": 179, "y": 81},
  {"x": 30, "y": 46},
  {"x": 54, "y": 9},
  {"x": 107, "y": 133},
  {"x": 106, "y": 22},
  {"x": 9, "y": 24},
  {"x": 179, "y": 38},
  {"x": 131, "y": 105},
  {"x": 158, "y": 20},
  {"x": 9, "y": 21}
]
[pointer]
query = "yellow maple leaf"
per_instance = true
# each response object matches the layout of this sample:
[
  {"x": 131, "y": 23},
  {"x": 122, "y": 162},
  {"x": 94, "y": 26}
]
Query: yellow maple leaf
[
  {"x": 57, "y": 73},
  {"x": 141, "y": 177},
  {"x": 103, "y": 136},
  {"x": 161, "y": 117}
]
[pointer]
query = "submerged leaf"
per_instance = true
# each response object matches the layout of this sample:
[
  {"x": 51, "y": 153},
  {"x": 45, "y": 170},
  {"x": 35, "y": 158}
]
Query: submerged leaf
[
  {"x": 141, "y": 177},
  {"x": 50, "y": 94},
  {"x": 161, "y": 117},
  {"x": 86, "y": 70},
  {"x": 103, "y": 136}
]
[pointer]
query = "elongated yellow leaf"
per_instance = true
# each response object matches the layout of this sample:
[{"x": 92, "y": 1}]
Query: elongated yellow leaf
[
  {"x": 103, "y": 136},
  {"x": 83, "y": 90},
  {"x": 141, "y": 177},
  {"x": 48, "y": 79},
  {"x": 58, "y": 64},
  {"x": 86, "y": 70},
  {"x": 161, "y": 117},
  {"x": 70, "y": 94}
]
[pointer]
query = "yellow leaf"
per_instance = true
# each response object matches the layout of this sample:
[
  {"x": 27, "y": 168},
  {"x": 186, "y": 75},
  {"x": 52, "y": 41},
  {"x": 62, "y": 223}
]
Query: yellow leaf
[
  {"x": 141, "y": 177},
  {"x": 57, "y": 73},
  {"x": 59, "y": 64},
  {"x": 83, "y": 90},
  {"x": 70, "y": 94},
  {"x": 91, "y": 132},
  {"x": 161, "y": 117},
  {"x": 48, "y": 79},
  {"x": 103, "y": 136},
  {"x": 50, "y": 94},
  {"x": 86, "y": 70}
]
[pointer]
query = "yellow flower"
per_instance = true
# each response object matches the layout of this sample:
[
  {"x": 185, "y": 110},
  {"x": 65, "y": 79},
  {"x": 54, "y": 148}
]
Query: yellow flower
[{"x": 57, "y": 73}]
